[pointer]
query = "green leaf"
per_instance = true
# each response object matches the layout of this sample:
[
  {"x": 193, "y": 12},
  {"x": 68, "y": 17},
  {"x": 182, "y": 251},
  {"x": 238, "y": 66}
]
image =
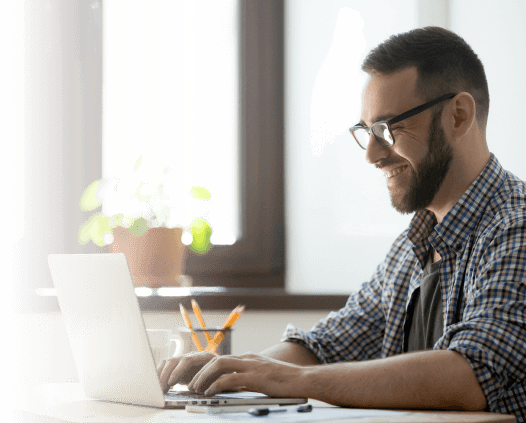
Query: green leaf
[
  {"x": 201, "y": 233},
  {"x": 88, "y": 200},
  {"x": 84, "y": 231},
  {"x": 138, "y": 227},
  {"x": 89, "y": 230},
  {"x": 137, "y": 163},
  {"x": 118, "y": 221},
  {"x": 99, "y": 228},
  {"x": 199, "y": 193}
]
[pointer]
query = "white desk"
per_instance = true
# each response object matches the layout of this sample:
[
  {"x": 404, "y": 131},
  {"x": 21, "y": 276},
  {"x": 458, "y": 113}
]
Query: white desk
[{"x": 65, "y": 402}]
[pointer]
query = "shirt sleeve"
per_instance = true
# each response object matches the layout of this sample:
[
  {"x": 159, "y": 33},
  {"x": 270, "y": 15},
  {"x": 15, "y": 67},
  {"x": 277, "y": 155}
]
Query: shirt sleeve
[
  {"x": 492, "y": 332},
  {"x": 355, "y": 332}
]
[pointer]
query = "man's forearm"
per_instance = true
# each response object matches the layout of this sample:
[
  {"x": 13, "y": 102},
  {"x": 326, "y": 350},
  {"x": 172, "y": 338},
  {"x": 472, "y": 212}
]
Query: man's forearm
[
  {"x": 426, "y": 379},
  {"x": 291, "y": 352}
]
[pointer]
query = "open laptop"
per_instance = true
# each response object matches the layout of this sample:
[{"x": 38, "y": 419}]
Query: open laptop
[{"x": 109, "y": 340}]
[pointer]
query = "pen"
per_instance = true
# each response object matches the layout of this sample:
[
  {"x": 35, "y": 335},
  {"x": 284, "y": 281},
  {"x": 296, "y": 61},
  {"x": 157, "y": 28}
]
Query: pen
[
  {"x": 189, "y": 326},
  {"x": 230, "y": 321},
  {"x": 197, "y": 311},
  {"x": 265, "y": 411}
]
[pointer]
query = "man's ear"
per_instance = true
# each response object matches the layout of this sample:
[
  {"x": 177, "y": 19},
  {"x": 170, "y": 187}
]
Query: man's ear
[{"x": 461, "y": 114}]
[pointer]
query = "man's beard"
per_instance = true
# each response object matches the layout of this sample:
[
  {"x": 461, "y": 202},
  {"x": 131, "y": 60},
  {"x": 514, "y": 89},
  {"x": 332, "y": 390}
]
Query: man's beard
[{"x": 429, "y": 174}]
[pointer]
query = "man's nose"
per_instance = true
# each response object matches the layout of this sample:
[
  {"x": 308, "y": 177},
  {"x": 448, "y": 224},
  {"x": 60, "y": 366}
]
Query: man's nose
[{"x": 375, "y": 151}]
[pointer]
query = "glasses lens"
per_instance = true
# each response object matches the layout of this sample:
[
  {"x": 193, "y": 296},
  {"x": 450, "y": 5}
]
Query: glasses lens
[
  {"x": 361, "y": 136},
  {"x": 382, "y": 133}
]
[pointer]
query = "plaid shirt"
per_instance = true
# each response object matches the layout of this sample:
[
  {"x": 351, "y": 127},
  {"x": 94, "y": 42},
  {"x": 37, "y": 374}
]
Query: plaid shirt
[{"x": 482, "y": 243}]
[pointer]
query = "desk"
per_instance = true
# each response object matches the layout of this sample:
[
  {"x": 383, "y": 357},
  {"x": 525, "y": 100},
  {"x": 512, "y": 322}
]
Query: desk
[{"x": 65, "y": 402}]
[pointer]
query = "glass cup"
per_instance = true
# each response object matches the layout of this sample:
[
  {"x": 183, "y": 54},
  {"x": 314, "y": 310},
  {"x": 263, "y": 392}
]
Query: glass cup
[
  {"x": 188, "y": 346},
  {"x": 164, "y": 344}
]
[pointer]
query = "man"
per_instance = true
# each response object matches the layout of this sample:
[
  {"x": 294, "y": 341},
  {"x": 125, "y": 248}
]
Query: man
[{"x": 442, "y": 322}]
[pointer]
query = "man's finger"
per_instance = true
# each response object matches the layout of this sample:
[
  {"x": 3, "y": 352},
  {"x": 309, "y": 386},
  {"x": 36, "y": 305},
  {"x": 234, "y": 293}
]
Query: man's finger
[
  {"x": 169, "y": 365},
  {"x": 214, "y": 369},
  {"x": 160, "y": 367},
  {"x": 187, "y": 365},
  {"x": 228, "y": 381},
  {"x": 194, "y": 382}
]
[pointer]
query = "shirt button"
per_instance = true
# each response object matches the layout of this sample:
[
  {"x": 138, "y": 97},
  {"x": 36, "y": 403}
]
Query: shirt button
[{"x": 458, "y": 247}]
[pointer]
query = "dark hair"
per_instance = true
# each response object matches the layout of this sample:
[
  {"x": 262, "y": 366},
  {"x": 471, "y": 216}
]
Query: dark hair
[{"x": 444, "y": 61}]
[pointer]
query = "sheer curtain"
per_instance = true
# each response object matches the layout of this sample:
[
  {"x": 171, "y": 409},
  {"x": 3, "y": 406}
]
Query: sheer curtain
[{"x": 170, "y": 94}]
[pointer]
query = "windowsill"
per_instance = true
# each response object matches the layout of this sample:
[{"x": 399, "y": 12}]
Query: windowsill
[{"x": 211, "y": 298}]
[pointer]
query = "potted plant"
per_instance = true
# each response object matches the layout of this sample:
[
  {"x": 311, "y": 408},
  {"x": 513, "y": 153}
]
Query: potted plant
[{"x": 150, "y": 216}]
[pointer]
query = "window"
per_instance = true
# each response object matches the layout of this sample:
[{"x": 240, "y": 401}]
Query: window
[
  {"x": 170, "y": 95},
  {"x": 63, "y": 154}
]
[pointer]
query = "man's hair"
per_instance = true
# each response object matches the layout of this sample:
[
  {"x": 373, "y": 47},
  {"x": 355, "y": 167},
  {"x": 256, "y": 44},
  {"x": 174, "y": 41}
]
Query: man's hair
[{"x": 445, "y": 63}]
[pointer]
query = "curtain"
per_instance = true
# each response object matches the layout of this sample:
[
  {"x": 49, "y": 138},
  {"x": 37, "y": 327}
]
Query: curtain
[{"x": 62, "y": 138}]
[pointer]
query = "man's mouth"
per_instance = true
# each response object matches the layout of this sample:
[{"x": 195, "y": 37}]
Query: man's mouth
[{"x": 397, "y": 171}]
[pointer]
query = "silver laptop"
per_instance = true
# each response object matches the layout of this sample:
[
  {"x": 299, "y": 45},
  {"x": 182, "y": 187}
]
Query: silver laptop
[{"x": 109, "y": 340}]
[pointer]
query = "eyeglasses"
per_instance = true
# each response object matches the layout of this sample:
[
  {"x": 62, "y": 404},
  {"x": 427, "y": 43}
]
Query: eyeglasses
[{"x": 382, "y": 129}]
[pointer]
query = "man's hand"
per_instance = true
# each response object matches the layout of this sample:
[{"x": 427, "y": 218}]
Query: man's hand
[
  {"x": 182, "y": 369},
  {"x": 254, "y": 372},
  {"x": 208, "y": 372}
]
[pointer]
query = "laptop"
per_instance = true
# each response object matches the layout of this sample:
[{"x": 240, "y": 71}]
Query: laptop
[{"x": 109, "y": 341}]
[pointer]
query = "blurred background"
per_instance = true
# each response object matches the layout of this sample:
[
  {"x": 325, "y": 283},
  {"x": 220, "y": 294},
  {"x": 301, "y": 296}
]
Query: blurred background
[{"x": 249, "y": 98}]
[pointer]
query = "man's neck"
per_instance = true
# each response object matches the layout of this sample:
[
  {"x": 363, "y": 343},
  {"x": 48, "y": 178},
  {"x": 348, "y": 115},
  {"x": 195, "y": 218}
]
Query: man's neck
[{"x": 459, "y": 178}]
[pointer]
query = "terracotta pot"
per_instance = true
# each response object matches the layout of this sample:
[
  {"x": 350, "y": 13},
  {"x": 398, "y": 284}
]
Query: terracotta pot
[{"x": 155, "y": 259}]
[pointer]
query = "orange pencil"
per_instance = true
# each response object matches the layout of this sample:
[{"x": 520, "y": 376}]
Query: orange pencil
[
  {"x": 230, "y": 321},
  {"x": 189, "y": 326},
  {"x": 197, "y": 311},
  {"x": 231, "y": 315}
]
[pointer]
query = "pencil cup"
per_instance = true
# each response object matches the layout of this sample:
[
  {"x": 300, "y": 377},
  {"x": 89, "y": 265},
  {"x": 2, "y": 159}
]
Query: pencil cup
[{"x": 188, "y": 344}]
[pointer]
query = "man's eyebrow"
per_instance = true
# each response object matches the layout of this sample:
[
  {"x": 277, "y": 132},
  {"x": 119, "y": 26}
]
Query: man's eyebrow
[{"x": 379, "y": 118}]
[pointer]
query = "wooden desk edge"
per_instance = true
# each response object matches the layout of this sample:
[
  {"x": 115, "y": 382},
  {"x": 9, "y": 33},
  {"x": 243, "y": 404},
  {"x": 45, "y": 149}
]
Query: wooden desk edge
[
  {"x": 441, "y": 416},
  {"x": 422, "y": 416}
]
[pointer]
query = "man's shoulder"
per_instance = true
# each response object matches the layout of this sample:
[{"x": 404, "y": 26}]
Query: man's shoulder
[
  {"x": 509, "y": 201},
  {"x": 506, "y": 210}
]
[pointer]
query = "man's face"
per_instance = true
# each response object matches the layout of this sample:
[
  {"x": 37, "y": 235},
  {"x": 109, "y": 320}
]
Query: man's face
[{"x": 418, "y": 162}]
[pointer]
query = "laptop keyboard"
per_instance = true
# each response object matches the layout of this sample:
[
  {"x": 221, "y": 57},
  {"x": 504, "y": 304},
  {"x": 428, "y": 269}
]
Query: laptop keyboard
[
  {"x": 192, "y": 398},
  {"x": 188, "y": 394}
]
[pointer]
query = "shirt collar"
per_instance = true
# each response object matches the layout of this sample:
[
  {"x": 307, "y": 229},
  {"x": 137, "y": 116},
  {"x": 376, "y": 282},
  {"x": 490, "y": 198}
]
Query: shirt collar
[{"x": 458, "y": 224}]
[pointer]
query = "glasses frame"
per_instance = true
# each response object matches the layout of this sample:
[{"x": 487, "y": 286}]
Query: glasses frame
[{"x": 410, "y": 113}]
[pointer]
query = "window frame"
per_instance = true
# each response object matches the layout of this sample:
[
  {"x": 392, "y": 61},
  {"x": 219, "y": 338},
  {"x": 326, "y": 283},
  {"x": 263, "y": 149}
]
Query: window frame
[{"x": 257, "y": 258}]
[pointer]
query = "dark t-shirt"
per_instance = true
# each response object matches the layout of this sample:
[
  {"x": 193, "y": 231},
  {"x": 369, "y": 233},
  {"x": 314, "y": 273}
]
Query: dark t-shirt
[{"x": 424, "y": 315}]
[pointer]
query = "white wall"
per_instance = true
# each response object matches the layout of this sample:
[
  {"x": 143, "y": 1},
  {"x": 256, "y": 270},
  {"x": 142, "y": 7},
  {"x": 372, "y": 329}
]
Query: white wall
[
  {"x": 497, "y": 33},
  {"x": 339, "y": 220}
]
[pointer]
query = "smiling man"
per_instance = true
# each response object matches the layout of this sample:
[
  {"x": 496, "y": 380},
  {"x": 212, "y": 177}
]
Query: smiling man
[
  {"x": 442, "y": 322},
  {"x": 415, "y": 175}
]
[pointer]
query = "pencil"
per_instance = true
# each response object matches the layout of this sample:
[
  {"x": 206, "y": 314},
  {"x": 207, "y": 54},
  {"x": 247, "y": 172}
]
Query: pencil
[
  {"x": 214, "y": 344},
  {"x": 189, "y": 326},
  {"x": 197, "y": 311},
  {"x": 230, "y": 321}
]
